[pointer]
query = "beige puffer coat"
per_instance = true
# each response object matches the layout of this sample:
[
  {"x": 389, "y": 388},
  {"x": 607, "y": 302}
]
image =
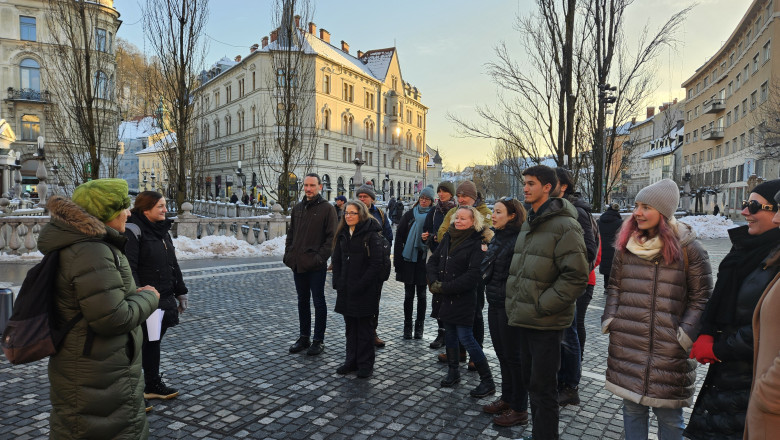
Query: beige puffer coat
[{"x": 652, "y": 312}]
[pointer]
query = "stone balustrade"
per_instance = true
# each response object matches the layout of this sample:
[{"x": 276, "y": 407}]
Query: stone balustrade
[
  {"x": 19, "y": 234},
  {"x": 212, "y": 208}
]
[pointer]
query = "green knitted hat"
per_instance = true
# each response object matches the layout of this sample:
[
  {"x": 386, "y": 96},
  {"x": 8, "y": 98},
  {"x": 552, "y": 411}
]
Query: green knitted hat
[{"x": 103, "y": 198}]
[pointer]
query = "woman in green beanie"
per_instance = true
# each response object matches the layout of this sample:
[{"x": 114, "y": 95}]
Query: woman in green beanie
[{"x": 98, "y": 394}]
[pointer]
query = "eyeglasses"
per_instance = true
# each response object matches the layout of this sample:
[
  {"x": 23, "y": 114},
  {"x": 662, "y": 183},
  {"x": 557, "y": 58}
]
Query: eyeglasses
[
  {"x": 753, "y": 206},
  {"x": 350, "y": 213}
]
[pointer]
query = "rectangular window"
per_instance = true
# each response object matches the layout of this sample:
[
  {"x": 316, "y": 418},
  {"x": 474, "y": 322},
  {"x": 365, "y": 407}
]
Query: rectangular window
[
  {"x": 730, "y": 89},
  {"x": 690, "y": 93},
  {"x": 753, "y": 100},
  {"x": 742, "y": 141},
  {"x": 709, "y": 154},
  {"x": 687, "y": 138},
  {"x": 348, "y": 94},
  {"x": 736, "y": 113},
  {"x": 695, "y": 135},
  {"x": 744, "y": 107},
  {"x": 253, "y": 80},
  {"x": 693, "y": 158},
  {"x": 228, "y": 93},
  {"x": 27, "y": 28},
  {"x": 698, "y": 88},
  {"x": 100, "y": 40},
  {"x": 738, "y": 81},
  {"x": 726, "y": 148},
  {"x": 745, "y": 74},
  {"x": 688, "y": 117},
  {"x": 755, "y": 64},
  {"x": 326, "y": 84},
  {"x": 764, "y": 91},
  {"x": 344, "y": 154},
  {"x": 241, "y": 87},
  {"x": 326, "y": 148},
  {"x": 728, "y": 119},
  {"x": 751, "y": 136},
  {"x": 767, "y": 51},
  {"x": 696, "y": 112},
  {"x": 384, "y": 160},
  {"x": 31, "y": 127}
]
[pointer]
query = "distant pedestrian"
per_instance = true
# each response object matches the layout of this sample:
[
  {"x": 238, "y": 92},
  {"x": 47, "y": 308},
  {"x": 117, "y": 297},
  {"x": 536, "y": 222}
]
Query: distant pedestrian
[
  {"x": 716, "y": 210},
  {"x": 549, "y": 270},
  {"x": 365, "y": 193},
  {"x": 307, "y": 249},
  {"x": 446, "y": 193},
  {"x": 396, "y": 212},
  {"x": 340, "y": 202},
  {"x": 659, "y": 284},
  {"x": 609, "y": 223},
  {"x": 454, "y": 272},
  {"x": 726, "y": 338},
  {"x": 410, "y": 254},
  {"x": 357, "y": 263},
  {"x": 234, "y": 198},
  {"x": 98, "y": 394}
]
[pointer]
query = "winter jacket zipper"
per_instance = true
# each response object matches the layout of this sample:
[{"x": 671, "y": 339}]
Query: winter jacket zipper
[{"x": 652, "y": 328}]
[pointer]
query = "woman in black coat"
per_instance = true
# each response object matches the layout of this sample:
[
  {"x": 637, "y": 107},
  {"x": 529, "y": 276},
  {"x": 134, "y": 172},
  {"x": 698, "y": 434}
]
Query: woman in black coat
[
  {"x": 357, "y": 263},
  {"x": 726, "y": 338},
  {"x": 410, "y": 252},
  {"x": 512, "y": 407},
  {"x": 446, "y": 193},
  {"x": 153, "y": 261},
  {"x": 609, "y": 223},
  {"x": 454, "y": 272}
]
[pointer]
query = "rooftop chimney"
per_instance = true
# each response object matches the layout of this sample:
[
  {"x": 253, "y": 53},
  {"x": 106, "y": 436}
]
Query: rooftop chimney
[
  {"x": 344, "y": 46},
  {"x": 265, "y": 42},
  {"x": 650, "y": 112},
  {"x": 238, "y": 58},
  {"x": 312, "y": 28},
  {"x": 253, "y": 48},
  {"x": 325, "y": 36},
  {"x": 274, "y": 34},
  {"x": 360, "y": 54},
  {"x": 297, "y": 22}
]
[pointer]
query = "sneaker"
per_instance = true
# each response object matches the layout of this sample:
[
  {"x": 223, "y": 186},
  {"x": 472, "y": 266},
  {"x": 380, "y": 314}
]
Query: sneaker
[
  {"x": 496, "y": 407},
  {"x": 316, "y": 348},
  {"x": 301, "y": 344},
  {"x": 511, "y": 418},
  {"x": 568, "y": 395},
  {"x": 147, "y": 405},
  {"x": 158, "y": 390}
]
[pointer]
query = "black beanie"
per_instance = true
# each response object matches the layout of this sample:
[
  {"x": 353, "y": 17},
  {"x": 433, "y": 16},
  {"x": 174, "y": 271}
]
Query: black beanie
[{"x": 768, "y": 190}]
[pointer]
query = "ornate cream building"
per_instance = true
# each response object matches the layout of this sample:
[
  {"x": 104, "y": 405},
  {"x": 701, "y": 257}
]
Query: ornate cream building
[
  {"x": 361, "y": 102},
  {"x": 722, "y": 147},
  {"x": 25, "y": 87}
]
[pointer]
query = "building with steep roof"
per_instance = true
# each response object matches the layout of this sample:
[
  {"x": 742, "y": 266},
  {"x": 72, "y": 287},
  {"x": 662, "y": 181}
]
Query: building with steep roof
[{"x": 361, "y": 104}]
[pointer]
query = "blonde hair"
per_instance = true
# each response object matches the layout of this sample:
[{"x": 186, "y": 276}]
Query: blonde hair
[{"x": 479, "y": 220}]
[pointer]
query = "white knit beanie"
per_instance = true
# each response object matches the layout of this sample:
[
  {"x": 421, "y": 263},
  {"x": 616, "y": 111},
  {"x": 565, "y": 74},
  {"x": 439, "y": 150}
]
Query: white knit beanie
[{"x": 663, "y": 195}]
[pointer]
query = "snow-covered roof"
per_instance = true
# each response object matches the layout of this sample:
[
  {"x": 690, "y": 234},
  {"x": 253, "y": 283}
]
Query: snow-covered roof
[
  {"x": 139, "y": 127},
  {"x": 378, "y": 61},
  {"x": 168, "y": 141}
]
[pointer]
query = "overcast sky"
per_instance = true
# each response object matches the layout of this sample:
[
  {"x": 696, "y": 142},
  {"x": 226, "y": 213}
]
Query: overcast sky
[{"x": 443, "y": 46}]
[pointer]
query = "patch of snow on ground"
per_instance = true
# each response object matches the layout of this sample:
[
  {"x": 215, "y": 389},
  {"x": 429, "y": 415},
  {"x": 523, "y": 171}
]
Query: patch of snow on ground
[
  {"x": 32, "y": 256},
  {"x": 709, "y": 226},
  {"x": 225, "y": 247}
]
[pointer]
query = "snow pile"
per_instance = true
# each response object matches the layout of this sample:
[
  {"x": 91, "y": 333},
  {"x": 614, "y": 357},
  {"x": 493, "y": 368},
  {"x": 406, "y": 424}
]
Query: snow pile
[
  {"x": 226, "y": 247},
  {"x": 31, "y": 257},
  {"x": 709, "y": 226}
]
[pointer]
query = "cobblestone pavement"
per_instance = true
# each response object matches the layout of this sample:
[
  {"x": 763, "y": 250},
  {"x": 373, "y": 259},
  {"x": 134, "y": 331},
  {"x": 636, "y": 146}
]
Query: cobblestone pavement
[{"x": 229, "y": 359}]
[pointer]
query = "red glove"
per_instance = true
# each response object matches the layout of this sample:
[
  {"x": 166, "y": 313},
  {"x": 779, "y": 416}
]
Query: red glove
[{"x": 702, "y": 350}]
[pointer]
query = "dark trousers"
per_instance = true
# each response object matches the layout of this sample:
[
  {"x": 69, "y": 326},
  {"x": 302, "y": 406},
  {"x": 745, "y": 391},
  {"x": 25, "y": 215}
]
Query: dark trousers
[
  {"x": 479, "y": 320},
  {"x": 360, "y": 342},
  {"x": 571, "y": 356},
  {"x": 582, "y": 307},
  {"x": 456, "y": 335},
  {"x": 540, "y": 359},
  {"x": 375, "y": 318},
  {"x": 507, "y": 349},
  {"x": 150, "y": 355},
  {"x": 409, "y": 293},
  {"x": 311, "y": 285}
]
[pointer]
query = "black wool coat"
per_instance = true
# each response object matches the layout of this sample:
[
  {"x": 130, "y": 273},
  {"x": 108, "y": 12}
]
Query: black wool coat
[
  {"x": 357, "y": 264},
  {"x": 310, "y": 237},
  {"x": 609, "y": 225},
  {"x": 407, "y": 272},
  {"x": 495, "y": 265},
  {"x": 459, "y": 273},
  {"x": 153, "y": 261}
]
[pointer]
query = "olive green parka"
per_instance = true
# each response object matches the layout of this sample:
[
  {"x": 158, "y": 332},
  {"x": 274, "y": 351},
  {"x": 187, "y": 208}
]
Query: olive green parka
[
  {"x": 549, "y": 269},
  {"x": 99, "y": 395}
]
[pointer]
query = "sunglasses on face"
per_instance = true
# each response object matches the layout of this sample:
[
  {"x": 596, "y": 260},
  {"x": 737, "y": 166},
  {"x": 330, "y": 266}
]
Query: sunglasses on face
[{"x": 753, "y": 206}]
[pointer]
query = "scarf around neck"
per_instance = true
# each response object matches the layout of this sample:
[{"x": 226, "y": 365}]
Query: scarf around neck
[
  {"x": 647, "y": 249},
  {"x": 414, "y": 243},
  {"x": 458, "y": 236},
  {"x": 444, "y": 207}
]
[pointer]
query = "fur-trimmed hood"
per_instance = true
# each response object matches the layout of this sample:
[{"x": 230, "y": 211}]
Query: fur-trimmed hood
[{"x": 69, "y": 224}]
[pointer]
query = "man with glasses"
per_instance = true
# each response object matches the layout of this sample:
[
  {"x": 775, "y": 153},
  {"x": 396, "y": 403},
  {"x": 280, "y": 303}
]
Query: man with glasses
[{"x": 307, "y": 249}]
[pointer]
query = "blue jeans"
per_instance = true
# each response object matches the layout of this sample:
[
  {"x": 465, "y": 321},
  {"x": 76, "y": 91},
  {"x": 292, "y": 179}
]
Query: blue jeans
[
  {"x": 635, "y": 421},
  {"x": 311, "y": 285},
  {"x": 570, "y": 372},
  {"x": 465, "y": 334}
]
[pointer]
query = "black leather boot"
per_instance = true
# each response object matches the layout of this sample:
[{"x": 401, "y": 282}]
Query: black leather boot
[
  {"x": 486, "y": 386},
  {"x": 408, "y": 328},
  {"x": 439, "y": 341},
  {"x": 453, "y": 373},
  {"x": 418, "y": 328}
]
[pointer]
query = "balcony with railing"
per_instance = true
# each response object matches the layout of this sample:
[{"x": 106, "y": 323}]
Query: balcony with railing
[
  {"x": 712, "y": 133},
  {"x": 714, "y": 105},
  {"x": 29, "y": 95}
]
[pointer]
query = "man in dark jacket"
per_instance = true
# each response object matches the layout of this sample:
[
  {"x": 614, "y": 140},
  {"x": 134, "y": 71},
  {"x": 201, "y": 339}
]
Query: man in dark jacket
[
  {"x": 609, "y": 224},
  {"x": 549, "y": 271},
  {"x": 365, "y": 193},
  {"x": 307, "y": 249},
  {"x": 571, "y": 359}
]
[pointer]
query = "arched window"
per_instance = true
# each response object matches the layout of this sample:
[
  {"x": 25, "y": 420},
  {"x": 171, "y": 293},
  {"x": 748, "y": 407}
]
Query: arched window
[
  {"x": 326, "y": 186},
  {"x": 349, "y": 127},
  {"x": 326, "y": 119},
  {"x": 369, "y": 127},
  {"x": 31, "y": 127},
  {"x": 101, "y": 85},
  {"x": 340, "y": 190},
  {"x": 419, "y": 144},
  {"x": 30, "y": 72},
  {"x": 408, "y": 141}
]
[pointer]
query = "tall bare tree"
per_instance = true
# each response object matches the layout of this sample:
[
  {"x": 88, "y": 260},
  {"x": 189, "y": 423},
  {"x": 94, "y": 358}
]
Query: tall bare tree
[
  {"x": 138, "y": 80},
  {"x": 288, "y": 125},
  {"x": 80, "y": 65},
  {"x": 174, "y": 30}
]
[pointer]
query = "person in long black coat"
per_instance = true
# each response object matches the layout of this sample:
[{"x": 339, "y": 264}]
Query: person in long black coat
[
  {"x": 609, "y": 224},
  {"x": 409, "y": 254},
  {"x": 446, "y": 192},
  {"x": 454, "y": 272},
  {"x": 153, "y": 261},
  {"x": 726, "y": 339},
  {"x": 357, "y": 263}
]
